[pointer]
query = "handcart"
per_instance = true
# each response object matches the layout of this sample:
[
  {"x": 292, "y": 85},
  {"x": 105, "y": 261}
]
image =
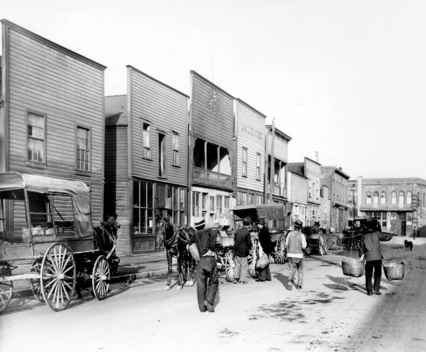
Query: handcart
[{"x": 46, "y": 222}]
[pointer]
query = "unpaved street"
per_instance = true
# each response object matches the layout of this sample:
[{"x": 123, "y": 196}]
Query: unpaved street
[{"x": 330, "y": 313}]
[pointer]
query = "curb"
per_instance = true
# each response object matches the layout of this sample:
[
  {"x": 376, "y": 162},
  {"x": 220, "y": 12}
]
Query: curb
[{"x": 115, "y": 279}]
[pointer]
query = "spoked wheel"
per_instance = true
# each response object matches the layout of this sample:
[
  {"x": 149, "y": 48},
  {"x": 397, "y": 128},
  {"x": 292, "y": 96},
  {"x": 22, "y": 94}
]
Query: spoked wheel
[
  {"x": 59, "y": 276},
  {"x": 35, "y": 283},
  {"x": 6, "y": 287},
  {"x": 101, "y": 277},
  {"x": 252, "y": 258},
  {"x": 229, "y": 266},
  {"x": 281, "y": 250}
]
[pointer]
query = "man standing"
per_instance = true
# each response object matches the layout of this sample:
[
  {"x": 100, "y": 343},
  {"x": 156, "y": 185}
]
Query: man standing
[
  {"x": 295, "y": 243},
  {"x": 242, "y": 246},
  {"x": 371, "y": 251},
  {"x": 414, "y": 232},
  {"x": 267, "y": 247},
  {"x": 207, "y": 272}
]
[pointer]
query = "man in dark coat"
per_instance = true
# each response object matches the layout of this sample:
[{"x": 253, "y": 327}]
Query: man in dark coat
[
  {"x": 370, "y": 251},
  {"x": 242, "y": 246},
  {"x": 268, "y": 248},
  {"x": 207, "y": 272}
]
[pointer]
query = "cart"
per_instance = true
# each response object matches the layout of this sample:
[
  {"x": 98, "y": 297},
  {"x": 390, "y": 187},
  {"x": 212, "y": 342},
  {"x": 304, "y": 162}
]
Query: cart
[
  {"x": 46, "y": 222},
  {"x": 314, "y": 240},
  {"x": 276, "y": 216}
]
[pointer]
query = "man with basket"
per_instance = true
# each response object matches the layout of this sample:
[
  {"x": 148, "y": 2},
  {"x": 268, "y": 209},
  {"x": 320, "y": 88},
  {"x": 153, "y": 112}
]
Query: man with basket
[
  {"x": 296, "y": 243},
  {"x": 370, "y": 251}
]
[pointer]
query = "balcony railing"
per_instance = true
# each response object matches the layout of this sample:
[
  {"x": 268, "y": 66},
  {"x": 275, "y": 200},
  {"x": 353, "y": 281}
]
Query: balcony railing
[
  {"x": 278, "y": 190},
  {"x": 212, "y": 178}
]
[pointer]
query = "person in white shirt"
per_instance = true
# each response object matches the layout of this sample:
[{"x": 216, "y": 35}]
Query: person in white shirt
[{"x": 295, "y": 243}]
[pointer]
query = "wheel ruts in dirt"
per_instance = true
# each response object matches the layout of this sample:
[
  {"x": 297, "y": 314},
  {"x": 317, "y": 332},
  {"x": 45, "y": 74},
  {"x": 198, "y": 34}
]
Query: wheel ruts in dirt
[
  {"x": 6, "y": 287},
  {"x": 59, "y": 276},
  {"x": 101, "y": 277}
]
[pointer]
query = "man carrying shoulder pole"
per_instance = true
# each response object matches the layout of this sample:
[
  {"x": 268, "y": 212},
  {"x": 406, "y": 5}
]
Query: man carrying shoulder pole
[{"x": 296, "y": 243}]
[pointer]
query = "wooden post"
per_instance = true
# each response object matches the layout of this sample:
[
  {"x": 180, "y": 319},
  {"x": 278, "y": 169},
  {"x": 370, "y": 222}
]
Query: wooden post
[
  {"x": 271, "y": 186},
  {"x": 265, "y": 181}
]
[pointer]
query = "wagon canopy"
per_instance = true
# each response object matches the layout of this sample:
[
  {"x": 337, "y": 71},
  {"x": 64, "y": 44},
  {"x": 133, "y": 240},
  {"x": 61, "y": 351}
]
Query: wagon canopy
[
  {"x": 258, "y": 211},
  {"x": 78, "y": 191}
]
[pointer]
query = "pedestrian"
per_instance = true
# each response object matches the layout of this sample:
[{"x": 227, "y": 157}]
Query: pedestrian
[
  {"x": 414, "y": 232},
  {"x": 267, "y": 247},
  {"x": 207, "y": 271},
  {"x": 242, "y": 246},
  {"x": 295, "y": 243},
  {"x": 371, "y": 253}
]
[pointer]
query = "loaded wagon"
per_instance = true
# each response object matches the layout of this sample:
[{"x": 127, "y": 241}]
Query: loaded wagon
[
  {"x": 275, "y": 216},
  {"x": 46, "y": 222}
]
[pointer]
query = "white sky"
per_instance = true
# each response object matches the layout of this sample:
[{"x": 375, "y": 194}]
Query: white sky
[{"x": 344, "y": 78}]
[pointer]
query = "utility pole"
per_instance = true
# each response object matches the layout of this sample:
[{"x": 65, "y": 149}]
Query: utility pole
[{"x": 271, "y": 186}]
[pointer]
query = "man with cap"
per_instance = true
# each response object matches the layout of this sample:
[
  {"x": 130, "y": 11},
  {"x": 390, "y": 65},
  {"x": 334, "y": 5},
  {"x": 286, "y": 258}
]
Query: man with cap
[
  {"x": 242, "y": 246},
  {"x": 267, "y": 247},
  {"x": 295, "y": 243},
  {"x": 207, "y": 272}
]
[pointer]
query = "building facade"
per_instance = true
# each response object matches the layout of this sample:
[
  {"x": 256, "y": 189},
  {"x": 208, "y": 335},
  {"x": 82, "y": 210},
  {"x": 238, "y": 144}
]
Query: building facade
[
  {"x": 146, "y": 160},
  {"x": 397, "y": 203},
  {"x": 211, "y": 128},
  {"x": 297, "y": 194},
  {"x": 249, "y": 148},
  {"x": 337, "y": 182},
  {"x": 51, "y": 116}
]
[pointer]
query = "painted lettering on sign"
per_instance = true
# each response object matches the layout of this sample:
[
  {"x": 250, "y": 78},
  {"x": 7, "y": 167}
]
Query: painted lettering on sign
[{"x": 251, "y": 131}]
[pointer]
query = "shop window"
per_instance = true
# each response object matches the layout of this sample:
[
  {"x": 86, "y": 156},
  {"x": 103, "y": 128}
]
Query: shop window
[
  {"x": 143, "y": 210},
  {"x": 227, "y": 201},
  {"x": 196, "y": 203},
  {"x": 205, "y": 200},
  {"x": 212, "y": 203},
  {"x": 219, "y": 204}
]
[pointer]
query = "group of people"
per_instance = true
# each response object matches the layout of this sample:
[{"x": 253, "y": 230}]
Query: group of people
[{"x": 208, "y": 274}]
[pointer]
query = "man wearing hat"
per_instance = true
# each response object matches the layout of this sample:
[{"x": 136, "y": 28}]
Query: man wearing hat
[
  {"x": 267, "y": 247},
  {"x": 242, "y": 246},
  {"x": 295, "y": 243},
  {"x": 207, "y": 272}
]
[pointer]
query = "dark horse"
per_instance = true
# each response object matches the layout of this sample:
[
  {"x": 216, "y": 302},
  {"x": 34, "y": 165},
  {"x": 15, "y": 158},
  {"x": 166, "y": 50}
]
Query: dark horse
[{"x": 176, "y": 245}]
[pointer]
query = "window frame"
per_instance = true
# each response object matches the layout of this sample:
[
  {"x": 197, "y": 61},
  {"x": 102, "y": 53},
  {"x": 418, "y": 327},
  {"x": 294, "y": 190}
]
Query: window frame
[
  {"x": 159, "y": 161},
  {"x": 394, "y": 197},
  {"x": 149, "y": 133},
  {"x": 258, "y": 166},
  {"x": 177, "y": 163},
  {"x": 368, "y": 198},
  {"x": 44, "y": 116},
  {"x": 244, "y": 163},
  {"x": 382, "y": 197},
  {"x": 89, "y": 142}
]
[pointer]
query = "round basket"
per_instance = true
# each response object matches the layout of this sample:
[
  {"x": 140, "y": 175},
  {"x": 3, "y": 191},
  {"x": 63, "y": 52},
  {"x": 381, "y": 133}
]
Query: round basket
[
  {"x": 352, "y": 267},
  {"x": 394, "y": 271}
]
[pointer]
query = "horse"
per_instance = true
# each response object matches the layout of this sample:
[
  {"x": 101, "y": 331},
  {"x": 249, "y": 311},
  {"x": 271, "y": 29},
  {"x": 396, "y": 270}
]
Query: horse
[{"x": 176, "y": 245}]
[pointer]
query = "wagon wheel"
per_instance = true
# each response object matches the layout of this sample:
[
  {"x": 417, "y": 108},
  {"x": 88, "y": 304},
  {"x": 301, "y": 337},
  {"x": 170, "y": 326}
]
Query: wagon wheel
[
  {"x": 281, "y": 250},
  {"x": 229, "y": 266},
  {"x": 35, "y": 283},
  {"x": 6, "y": 287},
  {"x": 252, "y": 258},
  {"x": 101, "y": 277},
  {"x": 59, "y": 276}
]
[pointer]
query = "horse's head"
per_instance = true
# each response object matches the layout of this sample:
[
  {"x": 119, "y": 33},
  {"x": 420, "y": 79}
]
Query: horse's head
[{"x": 162, "y": 228}]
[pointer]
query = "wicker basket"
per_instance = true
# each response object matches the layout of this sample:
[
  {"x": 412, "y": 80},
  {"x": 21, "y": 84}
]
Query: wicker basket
[
  {"x": 394, "y": 271},
  {"x": 352, "y": 267}
]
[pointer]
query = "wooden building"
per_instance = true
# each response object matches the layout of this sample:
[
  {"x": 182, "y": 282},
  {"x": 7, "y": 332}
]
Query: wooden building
[
  {"x": 337, "y": 182},
  {"x": 51, "y": 115},
  {"x": 146, "y": 159},
  {"x": 249, "y": 149},
  {"x": 211, "y": 151},
  {"x": 297, "y": 194}
]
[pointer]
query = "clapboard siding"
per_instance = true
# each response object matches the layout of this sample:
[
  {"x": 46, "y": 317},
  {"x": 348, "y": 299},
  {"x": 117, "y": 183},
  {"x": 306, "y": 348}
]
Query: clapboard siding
[
  {"x": 213, "y": 126},
  {"x": 69, "y": 90},
  {"x": 166, "y": 110},
  {"x": 299, "y": 188},
  {"x": 250, "y": 135},
  {"x": 280, "y": 147}
]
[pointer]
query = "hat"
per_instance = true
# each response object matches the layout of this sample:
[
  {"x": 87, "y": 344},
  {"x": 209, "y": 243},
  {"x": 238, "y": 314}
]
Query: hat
[
  {"x": 298, "y": 224},
  {"x": 261, "y": 221},
  {"x": 199, "y": 222},
  {"x": 247, "y": 220}
]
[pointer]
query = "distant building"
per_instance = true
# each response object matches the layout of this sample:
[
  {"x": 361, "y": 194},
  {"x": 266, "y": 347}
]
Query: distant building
[
  {"x": 297, "y": 194},
  {"x": 397, "y": 203},
  {"x": 337, "y": 183}
]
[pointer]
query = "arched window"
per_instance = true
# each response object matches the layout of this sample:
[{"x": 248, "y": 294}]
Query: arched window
[
  {"x": 408, "y": 197},
  {"x": 383, "y": 198},
  {"x": 368, "y": 198},
  {"x": 401, "y": 198},
  {"x": 376, "y": 198},
  {"x": 393, "y": 197}
]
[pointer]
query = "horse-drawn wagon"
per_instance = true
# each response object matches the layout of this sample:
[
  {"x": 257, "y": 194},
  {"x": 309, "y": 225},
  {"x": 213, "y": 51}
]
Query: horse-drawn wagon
[
  {"x": 46, "y": 222},
  {"x": 275, "y": 216}
]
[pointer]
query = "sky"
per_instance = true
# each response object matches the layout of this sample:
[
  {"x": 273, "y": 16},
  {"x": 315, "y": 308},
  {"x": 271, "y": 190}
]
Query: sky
[{"x": 346, "y": 80}]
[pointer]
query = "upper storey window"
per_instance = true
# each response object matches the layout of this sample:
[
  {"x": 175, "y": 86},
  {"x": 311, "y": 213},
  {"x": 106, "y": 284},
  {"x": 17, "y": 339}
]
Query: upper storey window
[
  {"x": 36, "y": 137},
  {"x": 146, "y": 141},
  {"x": 83, "y": 149}
]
